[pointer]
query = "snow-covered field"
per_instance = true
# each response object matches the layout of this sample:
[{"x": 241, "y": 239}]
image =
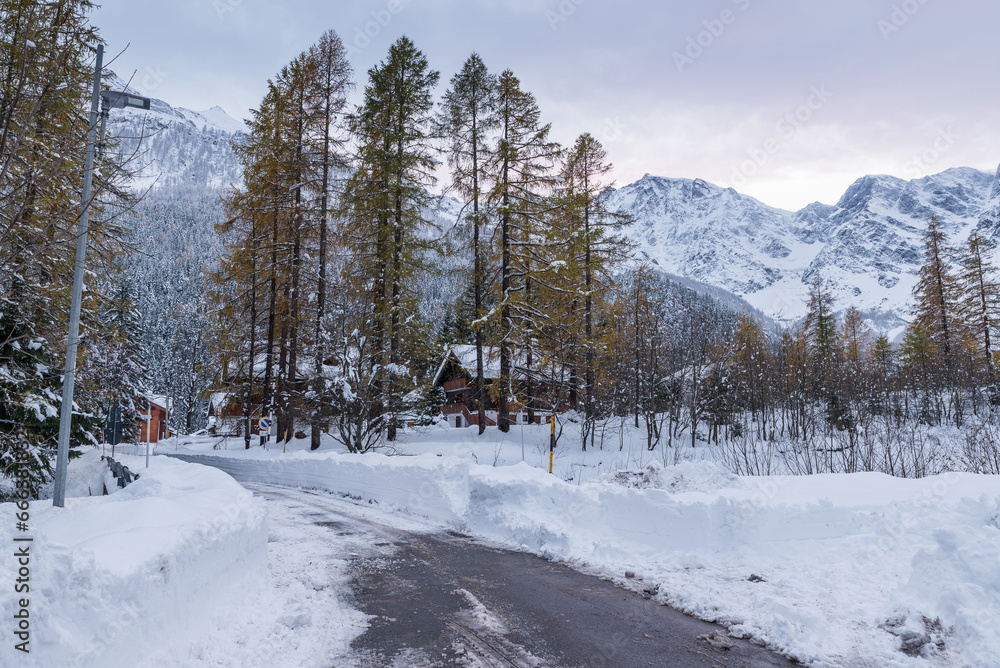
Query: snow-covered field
[{"x": 834, "y": 570}]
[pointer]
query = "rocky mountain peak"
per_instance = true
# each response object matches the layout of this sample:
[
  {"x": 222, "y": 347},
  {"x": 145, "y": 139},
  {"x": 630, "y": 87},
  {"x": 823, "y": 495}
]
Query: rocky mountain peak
[
  {"x": 179, "y": 147},
  {"x": 867, "y": 246},
  {"x": 700, "y": 188}
]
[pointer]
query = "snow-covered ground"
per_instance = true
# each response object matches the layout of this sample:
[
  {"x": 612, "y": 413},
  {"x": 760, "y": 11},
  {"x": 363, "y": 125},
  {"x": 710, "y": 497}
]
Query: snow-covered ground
[
  {"x": 111, "y": 576},
  {"x": 298, "y": 617},
  {"x": 834, "y": 570}
]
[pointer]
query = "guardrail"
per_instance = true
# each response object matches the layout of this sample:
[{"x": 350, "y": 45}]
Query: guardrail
[{"x": 121, "y": 473}]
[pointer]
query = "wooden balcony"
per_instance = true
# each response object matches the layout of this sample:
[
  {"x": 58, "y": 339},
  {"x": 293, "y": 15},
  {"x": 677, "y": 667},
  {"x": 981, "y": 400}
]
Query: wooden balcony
[{"x": 456, "y": 385}]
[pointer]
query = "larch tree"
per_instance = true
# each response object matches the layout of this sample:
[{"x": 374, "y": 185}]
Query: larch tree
[
  {"x": 751, "y": 365},
  {"x": 278, "y": 241},
  {"x": 467, "y": 120},
  {"x": 935, "y": 293},
  {"x": 46, "y": 80},
  {"x": 46, "y": 77},
  {"x": 921, "y": 361},
  {"x": 326, "y": 101},
  {"x": 855, "y": 341},
  {"x": 247, "y": 281},
  {"x": 596, "y": 229},
  {"x": 520, "y": 170},
  {"x": 236, "y": 291},
  {"x": 979, "y": 305}
]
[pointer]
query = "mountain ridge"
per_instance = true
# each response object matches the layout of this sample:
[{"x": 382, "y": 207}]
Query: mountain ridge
[
  {"x": 867, "y": 246},
  {"x": 177, "y": 147}
]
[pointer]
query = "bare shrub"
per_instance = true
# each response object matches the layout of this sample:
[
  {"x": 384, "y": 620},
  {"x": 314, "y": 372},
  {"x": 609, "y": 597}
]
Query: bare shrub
[
  {"x": 747, "y": 454},
  {"x": 981, "y": 449}
]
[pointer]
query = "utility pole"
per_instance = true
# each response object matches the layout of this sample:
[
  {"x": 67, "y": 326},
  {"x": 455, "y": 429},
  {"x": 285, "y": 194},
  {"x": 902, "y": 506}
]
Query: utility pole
[
  {"x": 73, "y": 340},
  {"x": 110, "y": 100}
]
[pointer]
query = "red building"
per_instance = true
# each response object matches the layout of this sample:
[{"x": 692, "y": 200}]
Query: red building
[{"x": 153, "y": 424}]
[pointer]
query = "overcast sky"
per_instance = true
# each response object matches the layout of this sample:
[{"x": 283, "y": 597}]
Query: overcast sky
[{"x": 786, "y": 100}]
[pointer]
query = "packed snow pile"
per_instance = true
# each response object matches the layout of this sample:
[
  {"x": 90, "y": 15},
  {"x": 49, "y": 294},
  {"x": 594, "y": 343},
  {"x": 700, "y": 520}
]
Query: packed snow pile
[
  {"x": 88, "y": 475},
  {"x": 113, "y": 578},
  {"x": 834, "y": 570}
]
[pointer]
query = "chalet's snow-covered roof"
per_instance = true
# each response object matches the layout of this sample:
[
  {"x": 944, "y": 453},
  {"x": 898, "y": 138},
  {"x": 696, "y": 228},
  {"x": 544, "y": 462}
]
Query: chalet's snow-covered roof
[
  {"x": 466, "y": 356},
  {"x": 306, "y": 366},
  {"x": 218, "y": 400},
  {"x": 159, "y": 400}
]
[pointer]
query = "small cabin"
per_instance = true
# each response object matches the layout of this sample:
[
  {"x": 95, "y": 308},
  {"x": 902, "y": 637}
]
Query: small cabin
[{"x": 153, "y": 422}]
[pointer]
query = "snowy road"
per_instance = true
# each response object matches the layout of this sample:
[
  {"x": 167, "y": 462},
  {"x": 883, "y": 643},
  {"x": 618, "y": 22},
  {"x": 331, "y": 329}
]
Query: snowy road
[{"x": 441, "y": 599}]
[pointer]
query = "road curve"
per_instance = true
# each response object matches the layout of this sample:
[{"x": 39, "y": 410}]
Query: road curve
[{"x": 443, "y": 599}]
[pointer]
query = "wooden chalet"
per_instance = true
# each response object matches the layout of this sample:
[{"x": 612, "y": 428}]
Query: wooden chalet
[
  {"x": 456, "y": 376},
  {"x": 153, "y": 422},
  {"x": 226, "y": 413}
]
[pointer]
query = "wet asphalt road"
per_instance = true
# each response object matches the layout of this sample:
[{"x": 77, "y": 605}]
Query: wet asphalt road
[
  {"x": 537, "y": 613},
  {"x": 443, "y": 599}
]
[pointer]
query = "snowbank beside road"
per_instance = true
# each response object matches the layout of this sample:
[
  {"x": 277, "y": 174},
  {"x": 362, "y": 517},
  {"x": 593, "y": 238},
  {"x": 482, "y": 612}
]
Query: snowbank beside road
[
  {"x": 115, "y": 578},
  {"x": 430, "y": 486},
  {"x": 841, "y": 570}
]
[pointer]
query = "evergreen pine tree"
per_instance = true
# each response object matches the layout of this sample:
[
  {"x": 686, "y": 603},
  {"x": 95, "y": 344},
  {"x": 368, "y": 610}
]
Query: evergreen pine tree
[
  {"x": 30, "y": 393},
  {"x": 384, "y": 215},
  {"x": 113, "y": 366}
]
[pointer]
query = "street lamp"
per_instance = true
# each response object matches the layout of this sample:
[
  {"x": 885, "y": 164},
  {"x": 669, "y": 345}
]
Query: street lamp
[
  {"x": 116, "y": 99},
  {"x": 111, "y": 100}
]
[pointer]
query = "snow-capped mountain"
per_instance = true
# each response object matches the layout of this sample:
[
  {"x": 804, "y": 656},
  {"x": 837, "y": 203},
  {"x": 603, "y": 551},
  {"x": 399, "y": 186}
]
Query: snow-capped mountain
[
  {"x": 868, "y": 246},
  {"x": 989, "y": 220},
  {"x": 178, "y": 147}
]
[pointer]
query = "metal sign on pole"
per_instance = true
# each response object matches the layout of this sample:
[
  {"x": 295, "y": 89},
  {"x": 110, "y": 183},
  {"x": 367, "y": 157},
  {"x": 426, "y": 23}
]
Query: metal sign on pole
[
  {"x": 117, "y": 99},
  {"x": 552, "y": 439}
]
